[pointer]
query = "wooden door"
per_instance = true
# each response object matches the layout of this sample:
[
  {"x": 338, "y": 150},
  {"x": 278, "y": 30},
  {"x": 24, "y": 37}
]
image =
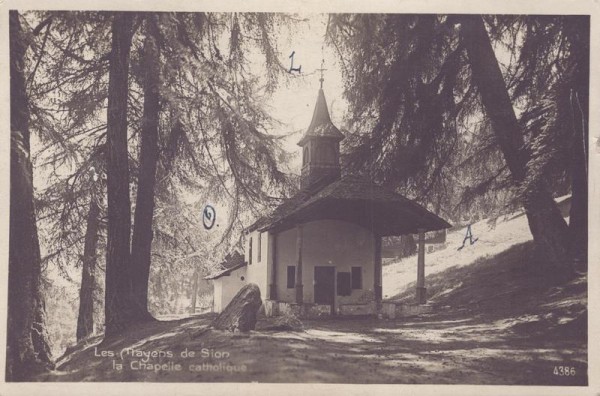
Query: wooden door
[{"x": 324, "y": 285}]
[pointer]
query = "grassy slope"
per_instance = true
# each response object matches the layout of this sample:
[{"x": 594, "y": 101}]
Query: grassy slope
[
  {"x": 497, "y": 321},
  {"x": 493, "y": 238}
]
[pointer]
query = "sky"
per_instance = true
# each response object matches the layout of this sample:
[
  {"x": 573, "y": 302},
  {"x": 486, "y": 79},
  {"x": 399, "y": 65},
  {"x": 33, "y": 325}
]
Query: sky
[{"x": 293, "y": 102}]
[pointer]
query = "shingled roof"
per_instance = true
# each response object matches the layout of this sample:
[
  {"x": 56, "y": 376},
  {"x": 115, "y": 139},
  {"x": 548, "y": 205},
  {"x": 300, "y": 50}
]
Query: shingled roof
[
  {"x": 357, "y": 200},
  {"x": 321, "y": 124},
  {"x": 232, "y": 262}
]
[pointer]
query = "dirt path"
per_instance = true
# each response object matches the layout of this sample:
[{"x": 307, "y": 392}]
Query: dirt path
[
  {"x": 435, "y": 349},
  {"x": 494, "y": 323}
]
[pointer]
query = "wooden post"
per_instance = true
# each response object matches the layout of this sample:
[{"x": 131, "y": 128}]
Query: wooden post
[
  {"x": 421, "y": 290},
  {"x": 378, "y": 273},
  {"x": 299, "y": 290},
  {"x": 273, "y": 285}
]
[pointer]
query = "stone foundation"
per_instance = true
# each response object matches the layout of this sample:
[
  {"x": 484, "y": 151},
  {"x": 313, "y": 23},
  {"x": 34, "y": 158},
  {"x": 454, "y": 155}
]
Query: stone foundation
[
  {"x": 312, "y": 311},
  {"x": 392, "y": 310},
  {"x": 270, "y": 307},
  {"x": 358, "y": 309},
  {"x": 389, "y": 310}
]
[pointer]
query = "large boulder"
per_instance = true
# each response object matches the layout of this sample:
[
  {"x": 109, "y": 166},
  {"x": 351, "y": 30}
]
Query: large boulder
[{"x": 240, "y": 314}]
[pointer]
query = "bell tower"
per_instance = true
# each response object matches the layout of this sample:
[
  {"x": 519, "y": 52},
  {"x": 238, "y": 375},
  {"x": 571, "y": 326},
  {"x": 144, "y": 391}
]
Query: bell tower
[{"x": 320, "y": 147}]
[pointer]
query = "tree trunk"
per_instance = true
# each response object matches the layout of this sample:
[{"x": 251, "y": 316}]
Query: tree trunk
[
  {"x": 85, "y": 320},
  {"x": 578, "y": 32},
  {"x": 27, "y": 346},
  {"x": 408, "y": 245},
  {"x": 144, "y": 209},
  {"x": 194, "y": 292},
  {"x": 118, "y": 306},
  {"x": 549, "y": 230}
]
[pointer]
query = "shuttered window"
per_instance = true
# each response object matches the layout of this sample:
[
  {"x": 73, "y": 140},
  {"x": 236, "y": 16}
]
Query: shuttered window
[
  {"x": 250, "y": 252},
  {"x": 291, "y": 277},
  {"x": 344, "y": 285},
  {"x": 259, "y": 247}
]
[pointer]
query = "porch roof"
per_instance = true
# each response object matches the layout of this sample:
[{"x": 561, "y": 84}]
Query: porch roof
[{"x": 356, "y": 200}]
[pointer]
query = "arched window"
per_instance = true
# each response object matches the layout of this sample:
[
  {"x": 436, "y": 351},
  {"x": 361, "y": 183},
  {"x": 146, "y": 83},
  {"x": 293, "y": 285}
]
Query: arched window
[
  {"x": 250, "y": 252},
  {"x": 305, "y": 155}
]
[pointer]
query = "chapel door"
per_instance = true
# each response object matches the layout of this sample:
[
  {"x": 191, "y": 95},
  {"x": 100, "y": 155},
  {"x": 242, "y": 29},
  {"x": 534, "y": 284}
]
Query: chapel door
[{"x": 324, "y": 285}]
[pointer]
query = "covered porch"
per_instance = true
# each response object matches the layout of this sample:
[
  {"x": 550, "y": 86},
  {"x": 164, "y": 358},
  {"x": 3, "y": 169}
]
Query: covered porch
[{"x": 357, "y": 201}]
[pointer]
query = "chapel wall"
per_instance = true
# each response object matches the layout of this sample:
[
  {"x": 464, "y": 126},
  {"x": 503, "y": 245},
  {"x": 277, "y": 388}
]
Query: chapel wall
[
  {"x": 226, "y": 287},
  {"x": 327, "y": 243},
  {"x": 257, "y": 270}
]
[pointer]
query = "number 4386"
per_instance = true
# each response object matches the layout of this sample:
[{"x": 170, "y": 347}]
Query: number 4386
[{"x": 564, "y": 371}]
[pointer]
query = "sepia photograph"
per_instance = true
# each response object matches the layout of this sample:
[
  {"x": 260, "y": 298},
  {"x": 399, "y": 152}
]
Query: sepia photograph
[{"x": 297, "y": 197}]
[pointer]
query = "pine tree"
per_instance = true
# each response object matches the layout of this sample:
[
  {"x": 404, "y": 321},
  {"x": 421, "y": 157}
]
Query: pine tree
[
  {"x": 430, "y": 101},
  {"x": 193, "y": 98},
  {"x": 545, "y": 221},
  {"x": 118, "y": 308},
  {"x": 27, "y": 344},
  {"x": 85, "y": 319},
  {"x": 141, "y": 246}
]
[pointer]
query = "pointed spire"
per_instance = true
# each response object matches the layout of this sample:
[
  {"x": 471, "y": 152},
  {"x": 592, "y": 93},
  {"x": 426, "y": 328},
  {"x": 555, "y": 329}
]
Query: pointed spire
[
  {"x": 321, "y": 124},
  {"x": 320, "y": 146}
]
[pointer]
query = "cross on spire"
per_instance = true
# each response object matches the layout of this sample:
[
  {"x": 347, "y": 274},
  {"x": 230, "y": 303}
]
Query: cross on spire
[{"x": 322, "y": 70}]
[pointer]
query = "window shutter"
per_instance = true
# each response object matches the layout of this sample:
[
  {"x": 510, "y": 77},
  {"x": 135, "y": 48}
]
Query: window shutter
[
  {"x": 344, "y": 285},
  {"x": 259, "y": 247},
  {"x": 250, "y": 252},
  {"x": 291, "y": 277}
]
